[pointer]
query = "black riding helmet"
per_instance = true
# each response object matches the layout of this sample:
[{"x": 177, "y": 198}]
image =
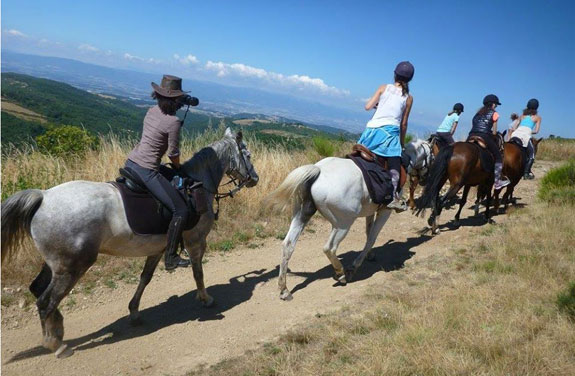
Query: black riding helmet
[
  {"x": 458, "y": 107},
  {"x": 533, "y": 104},
  {"x": 405, "y": 70},
  {"x": 491, "y": 98}
]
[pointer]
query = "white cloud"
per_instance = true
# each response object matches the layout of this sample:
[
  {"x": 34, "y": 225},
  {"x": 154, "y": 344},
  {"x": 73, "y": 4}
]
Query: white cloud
[
  {"x": 88, "y": 48},
  {"x": 186, "y": 60},
  {"x": 15, "y": 33},
  {"x": 299, "y": 82},
  {"x": 134, "y": 58}
]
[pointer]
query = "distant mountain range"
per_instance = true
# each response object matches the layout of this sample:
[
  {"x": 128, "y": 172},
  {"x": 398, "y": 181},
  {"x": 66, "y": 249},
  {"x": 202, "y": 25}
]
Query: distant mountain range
[
  {"x": 226, "y": 100},
  {"x": 30, "y": 105}
]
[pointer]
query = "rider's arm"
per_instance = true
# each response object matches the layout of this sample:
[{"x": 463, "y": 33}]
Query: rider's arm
[
  {"x": 453, "y": 127},
  {"x": 173, "y": 130},
  {"x": 537, "y": 125},
  {"x": 372, "y": 102},
  {"x": 404, "y": 119},
  {"x": 495, "y": 119}
]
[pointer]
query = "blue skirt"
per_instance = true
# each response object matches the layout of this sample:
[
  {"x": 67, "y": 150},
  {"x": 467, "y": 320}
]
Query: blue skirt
[{"x": 383, "y": 141}]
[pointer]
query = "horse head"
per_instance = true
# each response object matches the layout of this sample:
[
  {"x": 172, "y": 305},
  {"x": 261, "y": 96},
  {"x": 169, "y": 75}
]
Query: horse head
[
  {"x": 535, "y": 142},
  {"x": 418, "y": 153},
  {"x": 240, "y": 166}
]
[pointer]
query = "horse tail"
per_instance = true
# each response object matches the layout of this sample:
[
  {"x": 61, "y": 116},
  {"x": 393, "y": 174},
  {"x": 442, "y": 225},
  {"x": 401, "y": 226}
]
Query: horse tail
[
  {"x": 436, "y": 174},
  {"x": 292, "y": 187},
  {"x": 17, "y": 213}
]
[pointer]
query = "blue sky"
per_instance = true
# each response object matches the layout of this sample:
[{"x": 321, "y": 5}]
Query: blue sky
[{"x": 330, "y": 51}]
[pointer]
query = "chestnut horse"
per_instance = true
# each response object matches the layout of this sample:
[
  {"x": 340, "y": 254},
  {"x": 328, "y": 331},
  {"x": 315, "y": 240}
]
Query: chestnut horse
[
  {"x": 514, "y": 160},
  {"x": 465, "y": 164}
]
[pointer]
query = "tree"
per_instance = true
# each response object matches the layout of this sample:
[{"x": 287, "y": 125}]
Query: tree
[{"x": 67, "y": 140}]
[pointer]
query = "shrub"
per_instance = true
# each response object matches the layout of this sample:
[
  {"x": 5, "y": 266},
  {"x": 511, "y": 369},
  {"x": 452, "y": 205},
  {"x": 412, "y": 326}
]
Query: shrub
[
  {"x": 66, "y": 140},
  {"x": 558, "y": 185},
  {"x": 323, "y": 146},
  {"x": 566, "y": 300},
  {"x": 408, "y": 138}
]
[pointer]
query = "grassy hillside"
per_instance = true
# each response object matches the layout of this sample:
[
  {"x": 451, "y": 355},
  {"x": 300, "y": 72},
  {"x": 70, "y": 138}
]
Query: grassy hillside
[
  {"x": 30, "y": 105},
  {"x": 62, "y": 104}
]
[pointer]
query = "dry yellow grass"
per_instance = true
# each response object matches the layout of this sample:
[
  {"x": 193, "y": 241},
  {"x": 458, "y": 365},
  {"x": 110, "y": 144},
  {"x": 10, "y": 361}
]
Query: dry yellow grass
[
  {"x": 241, "y": 220},
  {"x": 556, "y": 149},
  {"x": 493, "y": 312},
  {"x": 21, "y": 112}
]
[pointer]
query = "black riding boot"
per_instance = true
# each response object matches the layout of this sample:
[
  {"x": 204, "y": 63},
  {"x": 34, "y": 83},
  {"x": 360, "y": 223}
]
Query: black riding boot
[
  {"x": 527, "y": 174},
  {"x": 172, "y": 260}
]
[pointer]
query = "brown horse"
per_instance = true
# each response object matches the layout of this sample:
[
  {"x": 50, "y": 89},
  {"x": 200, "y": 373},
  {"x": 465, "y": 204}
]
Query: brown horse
[
  {"x": 514, "y": 160},
  {"x": 465, "y": 164}
]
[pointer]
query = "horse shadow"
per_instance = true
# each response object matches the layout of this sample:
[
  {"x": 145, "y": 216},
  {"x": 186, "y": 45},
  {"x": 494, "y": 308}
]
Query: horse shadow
[
  {"x": 389, "y": 257},
  {"x": 175, "y": 310}
]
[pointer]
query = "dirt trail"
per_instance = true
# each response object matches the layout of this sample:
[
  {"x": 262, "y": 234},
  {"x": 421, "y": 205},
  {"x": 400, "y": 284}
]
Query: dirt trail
[{"x": 179, "y": 334}]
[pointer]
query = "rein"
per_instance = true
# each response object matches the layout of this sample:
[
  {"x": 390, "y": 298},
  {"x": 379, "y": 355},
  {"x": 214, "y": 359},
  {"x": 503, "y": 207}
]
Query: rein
[{"x": 238, "y": 184}]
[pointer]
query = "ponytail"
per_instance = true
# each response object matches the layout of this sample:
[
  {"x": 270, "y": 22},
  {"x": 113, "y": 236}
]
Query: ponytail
[{"x": 404, "y": 85}]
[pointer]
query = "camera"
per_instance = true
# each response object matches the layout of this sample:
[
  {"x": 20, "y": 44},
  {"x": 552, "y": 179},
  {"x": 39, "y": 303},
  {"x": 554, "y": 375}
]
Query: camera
[{"x": 188, "y": 100}]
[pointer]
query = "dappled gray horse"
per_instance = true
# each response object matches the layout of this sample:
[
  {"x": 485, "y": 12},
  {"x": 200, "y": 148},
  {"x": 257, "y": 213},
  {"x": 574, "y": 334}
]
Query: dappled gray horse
[{"x": 73, "y": 222}]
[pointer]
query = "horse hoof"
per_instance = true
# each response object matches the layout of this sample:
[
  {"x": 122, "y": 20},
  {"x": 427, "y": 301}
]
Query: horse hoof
[
  {"x": 430, "y": 221},
  {"x": 51, "y": 343},
  {"x": 435, "y": 231},
  {"x": 64, "y": 351},
  {"x": 286, "y": 296},
  {"x": 209, "y": 303},
  {"x": 491, "y": 221}
]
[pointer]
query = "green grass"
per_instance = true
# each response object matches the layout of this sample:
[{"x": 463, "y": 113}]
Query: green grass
[
  {"x": 323, "y": 146},
  {"x": 566, "y": 300},
  {"x": 558, "y": 185}
]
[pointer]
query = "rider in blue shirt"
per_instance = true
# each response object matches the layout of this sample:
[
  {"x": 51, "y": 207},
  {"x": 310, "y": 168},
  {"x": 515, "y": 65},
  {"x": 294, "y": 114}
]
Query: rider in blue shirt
[{"x": 449, "y": 124}]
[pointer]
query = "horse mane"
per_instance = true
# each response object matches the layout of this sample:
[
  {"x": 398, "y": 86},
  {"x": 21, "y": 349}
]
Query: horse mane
[{"x": 207, "y": 165}]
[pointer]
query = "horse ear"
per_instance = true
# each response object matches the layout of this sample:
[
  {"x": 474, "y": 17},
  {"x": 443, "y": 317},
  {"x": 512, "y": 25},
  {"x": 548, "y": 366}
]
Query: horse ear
[
  {"x": 539, "y": 140},
  {"x": 504, "y": 133},
  {"x": 229, "y": 133},
  {"x": 239, "y": 136}
]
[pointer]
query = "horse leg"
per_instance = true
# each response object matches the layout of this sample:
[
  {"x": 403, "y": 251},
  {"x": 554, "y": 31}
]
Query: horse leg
[
  {"x": 145, "y": 278},
  {"x": 413, "y": 181},
  {"x": 487, "y": 204},
  {"x": 368, "y": 225},
  {"x": 40, "y": 284},
  {"x": 462, "y": 203},
  {"x": 52, "y": 320},
  {"x": 382, "y": 217},
  {"x": 197, "y": 254},
  {"x": 453, "y": 189},
  {"x": 496, "y": 197},
  {"x": 301, "y": 217},
  {"x": 335, "y": 237}
]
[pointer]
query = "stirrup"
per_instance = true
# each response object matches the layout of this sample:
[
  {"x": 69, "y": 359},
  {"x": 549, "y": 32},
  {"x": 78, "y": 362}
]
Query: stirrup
[{"x": 398, "y": 205}]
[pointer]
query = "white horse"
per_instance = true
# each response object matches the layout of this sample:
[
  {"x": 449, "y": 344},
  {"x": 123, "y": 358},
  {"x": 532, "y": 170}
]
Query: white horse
[
  {"x": 72, "y": 223},
  {"x": 335, "y": 187},
  {"x": 419, "y": 155}
]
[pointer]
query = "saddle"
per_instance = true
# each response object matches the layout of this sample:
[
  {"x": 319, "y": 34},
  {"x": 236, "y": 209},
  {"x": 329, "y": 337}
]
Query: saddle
[
  {"x": 147, "y": 215},
  {"x": 434, "y": 139},
  {"x": 375, "y": 174},
  {"x": 517, "y": 141},
  {"x": 478, "y": 141}
]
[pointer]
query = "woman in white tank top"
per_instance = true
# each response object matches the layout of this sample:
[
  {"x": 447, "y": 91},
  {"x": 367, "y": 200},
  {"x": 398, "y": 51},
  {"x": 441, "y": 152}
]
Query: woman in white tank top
[{"x": 385, "y": 132}]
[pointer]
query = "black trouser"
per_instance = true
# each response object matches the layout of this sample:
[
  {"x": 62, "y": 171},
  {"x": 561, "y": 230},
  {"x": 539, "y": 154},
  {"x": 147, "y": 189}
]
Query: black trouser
[
  {"x": 446, "y": 136},
  {"x": 491, "y": 145},
  {"x": 394, "y": 168},
  {"x": 161, "y": 188}
]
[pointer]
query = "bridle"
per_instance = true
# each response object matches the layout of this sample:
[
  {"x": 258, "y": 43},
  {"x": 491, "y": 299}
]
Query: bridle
[
  {"x": 238, "y": 183},
  {"x": 427, "y": 160}
]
